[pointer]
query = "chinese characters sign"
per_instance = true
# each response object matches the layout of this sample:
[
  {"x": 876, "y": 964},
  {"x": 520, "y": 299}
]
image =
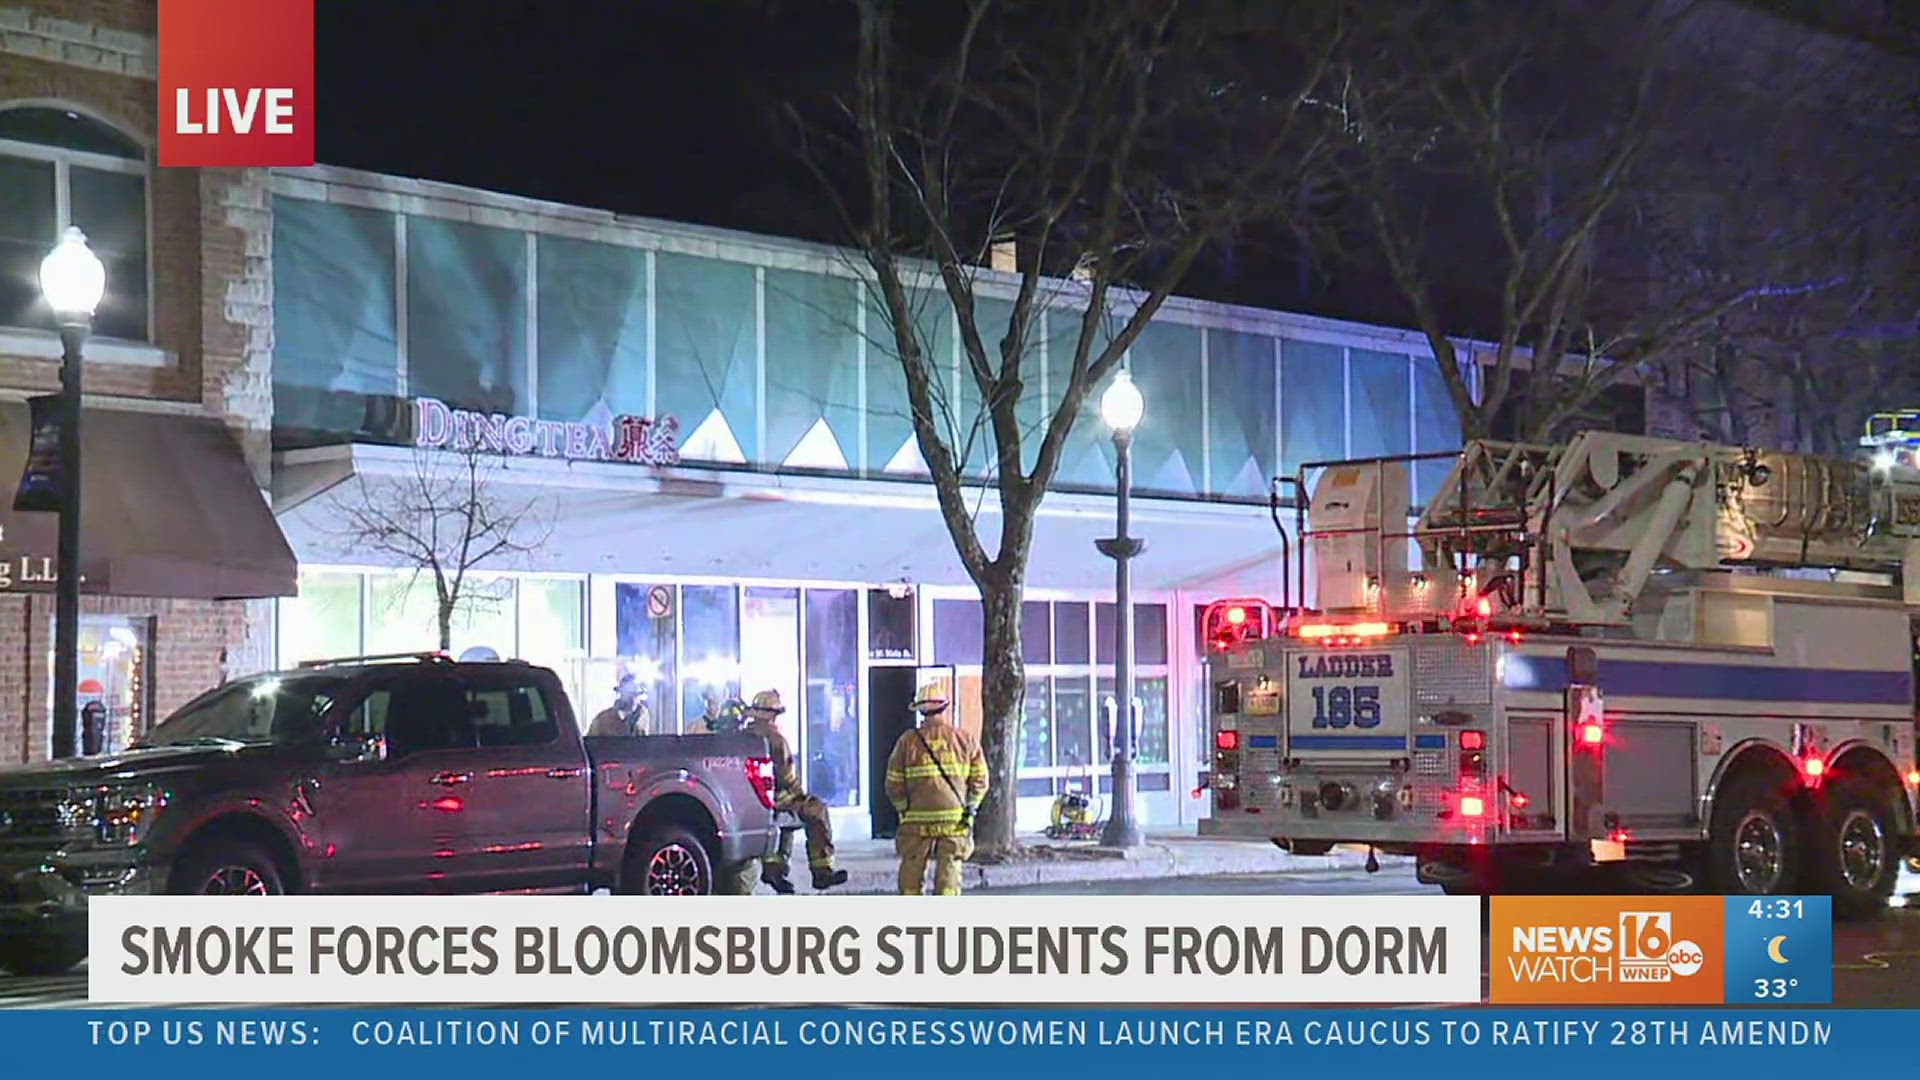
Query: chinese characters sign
[{"x": 631, "y": 440}]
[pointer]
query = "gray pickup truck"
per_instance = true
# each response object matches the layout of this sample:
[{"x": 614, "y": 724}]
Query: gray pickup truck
[{"x": 392, "y": 774}]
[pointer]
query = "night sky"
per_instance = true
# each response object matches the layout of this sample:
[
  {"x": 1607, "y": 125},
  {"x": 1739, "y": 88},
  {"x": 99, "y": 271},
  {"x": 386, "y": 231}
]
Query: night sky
[{"x": 639, "y": 106}]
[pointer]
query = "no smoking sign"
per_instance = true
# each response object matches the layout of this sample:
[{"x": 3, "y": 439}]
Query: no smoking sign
[{"x": 659, "y": 602}]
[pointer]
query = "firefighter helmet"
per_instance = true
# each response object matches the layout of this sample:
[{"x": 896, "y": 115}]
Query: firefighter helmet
[
  {"x": 931, "y": 701},
  {"x": 767, "y": 702}
]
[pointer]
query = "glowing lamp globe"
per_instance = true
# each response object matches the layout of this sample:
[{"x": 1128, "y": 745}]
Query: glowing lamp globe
[
  {"x": 72, "y": 278},
  {"x": 1122, "y": 406}
]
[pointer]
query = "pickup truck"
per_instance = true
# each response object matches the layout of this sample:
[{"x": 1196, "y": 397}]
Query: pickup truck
[{"x": 389, "y": 774}]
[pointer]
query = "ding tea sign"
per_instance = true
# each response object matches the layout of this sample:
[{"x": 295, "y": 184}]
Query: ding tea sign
[{"x": 631, "y": 440}]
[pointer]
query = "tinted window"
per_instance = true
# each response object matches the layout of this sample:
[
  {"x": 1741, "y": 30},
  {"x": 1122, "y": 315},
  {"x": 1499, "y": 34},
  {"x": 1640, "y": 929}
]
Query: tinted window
[
  {"x": 422, "y": 715},
  {"x": 513, "y": 714},
  {"x": 258, "y": 710}
]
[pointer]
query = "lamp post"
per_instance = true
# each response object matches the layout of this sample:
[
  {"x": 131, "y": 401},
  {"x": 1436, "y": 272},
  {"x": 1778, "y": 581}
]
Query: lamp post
[
  {"x": 1121, "y": 407},
  {"x": 73, "y": 281}
]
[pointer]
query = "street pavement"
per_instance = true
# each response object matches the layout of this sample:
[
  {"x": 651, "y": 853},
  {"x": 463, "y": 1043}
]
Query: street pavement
[{"x": 1876, "y": 966}]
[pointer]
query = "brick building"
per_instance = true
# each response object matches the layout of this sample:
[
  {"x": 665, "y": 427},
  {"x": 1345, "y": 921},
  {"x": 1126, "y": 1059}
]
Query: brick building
[{"x": 180, "y": 549}]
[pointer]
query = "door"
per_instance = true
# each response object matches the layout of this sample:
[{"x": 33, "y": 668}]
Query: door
[
  {"x": 531, "y": 808},
  {"x": 890, "y": 693},
  {"x": 397, "y": 823}
]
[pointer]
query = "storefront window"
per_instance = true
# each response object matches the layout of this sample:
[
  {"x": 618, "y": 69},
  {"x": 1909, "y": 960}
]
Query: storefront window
[
  {"x": 770, "y": 653},
  {"x": 710, "y": 645},
  {"x": 1036, "y": 632},
  {"x": 889, "y": 626},
  {"x": 833, "y": 697},
  {"x": 644, "y": 638},
  {"x": 958, "y": 632},
  {"x": 323, "y": 622},
  {"x": 1149, "y": 633},
  {"x": 403, "y": 614},
  {"x": 1036, "y": 725},
  {"x": 553, "y": 628},
  {"x": 115, "y": 688},
  {"x": 1070, "y": 644},
  {"x": 1073, "y": 722}
]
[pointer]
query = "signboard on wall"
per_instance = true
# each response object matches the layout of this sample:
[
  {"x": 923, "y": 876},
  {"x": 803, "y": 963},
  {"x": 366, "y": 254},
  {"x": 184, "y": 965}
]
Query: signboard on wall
[
  {"x": 630, "y": 440},
  {"x": 40, "y": 485}
]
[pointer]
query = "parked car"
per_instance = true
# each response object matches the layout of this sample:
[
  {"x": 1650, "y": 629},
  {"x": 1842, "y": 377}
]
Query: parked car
[{"x": 389, "y": 774}]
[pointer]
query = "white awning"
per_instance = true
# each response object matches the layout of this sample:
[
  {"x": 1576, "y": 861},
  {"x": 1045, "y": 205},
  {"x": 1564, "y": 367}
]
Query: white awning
[{"x": 609, "y": 518}]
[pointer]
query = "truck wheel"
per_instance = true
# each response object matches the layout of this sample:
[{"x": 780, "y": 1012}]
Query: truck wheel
[
  {"x": 1852, "y": 851},
  {"x": 226, "y": 868},
  {"x": 42, "y": 956},
  {"x": 1754, "y": 846},
  {"x": 667, "y": 860}
]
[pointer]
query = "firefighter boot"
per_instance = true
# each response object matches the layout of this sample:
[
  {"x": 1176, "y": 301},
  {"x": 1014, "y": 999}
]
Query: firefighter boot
[{"x": 827, "y": 879}]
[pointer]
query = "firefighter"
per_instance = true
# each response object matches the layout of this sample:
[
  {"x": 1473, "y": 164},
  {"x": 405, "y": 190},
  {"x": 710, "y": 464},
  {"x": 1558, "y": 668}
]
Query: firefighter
[
  {"x": 936, "y": 778},
  {"x": 628, "y": 715},
  {"x": 763, "y": 719}
]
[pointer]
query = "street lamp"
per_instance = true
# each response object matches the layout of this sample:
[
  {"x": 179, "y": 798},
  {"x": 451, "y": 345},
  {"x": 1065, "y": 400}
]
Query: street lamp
[
  {"x": 1121, "y": 407},
  {"x": 73, "y": 281}
]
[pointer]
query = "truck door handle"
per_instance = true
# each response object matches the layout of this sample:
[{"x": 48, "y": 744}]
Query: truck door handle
[
  {"x": 564, "y": 774},
  {"x": 450, "y": 779}
]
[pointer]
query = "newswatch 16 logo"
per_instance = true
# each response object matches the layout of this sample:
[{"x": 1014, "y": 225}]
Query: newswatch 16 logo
[
  {"x": 1605, "y": 950},
  {"x": 236, "y": 83}
]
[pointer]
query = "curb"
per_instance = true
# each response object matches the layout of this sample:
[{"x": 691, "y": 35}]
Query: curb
[{"x": 1154, "y": 862}]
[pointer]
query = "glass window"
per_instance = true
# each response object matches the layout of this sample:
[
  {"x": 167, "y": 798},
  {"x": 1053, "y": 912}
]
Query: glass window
[
  {"x": 833, "y": 696},
  {"x": 706, "y": 355},
  {"x": 1436, "y": 426},
  {"x": 55, "y": 159},
  {"x": 958, "y": 629},
  {"x": 592, "y": 309},
  {"x": 889, "y": 428},
  {"x": 710, "y": 645},
  {"x": 336, "y": 355},
  {"x": 111, "y": 208},
  {"x": 770, "y": 654},
  {"x": 323, "y": 621},
  {"x": 1036, "y": 632},
  {"x": 890, "y": 625},
  {"x": 467, "y": 315},
  {"x": 1036, "y": 725},
  {"x": 1086, "y": 460},
  {"x": 645, "y": 644},
  {"x": 972, "y": 427},
  {"x": 813, "y": 370},
  {"x": 1241, "y": 370},
  {"x": 512, "y": 715},
  {"x": 553, "y": 628},
  {"x": 1073, "y": 722},
  {"x": 1382, "y": 405},
  {"x": 1169, "y": 446},
  {"x": 424, "y": 715},
  {"x": 1149, "y": 633},
  {"x": 1070, "y": 643},
  {"x": 403, "y": 614},
  {"x": 115, "y": 688},
  {"x": 1152, "y": 693},
  {"x": 262, "y": 709},
  {"x": 1313, "y": 403},
  {"x": 29, "y": 226}
]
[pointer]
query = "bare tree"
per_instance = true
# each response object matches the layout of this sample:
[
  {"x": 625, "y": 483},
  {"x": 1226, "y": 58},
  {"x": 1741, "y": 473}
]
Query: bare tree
[
  {"x": 445, "y": 517},
  {"x": 1111, "y": 141},
  {"x": 1491, "y": 153}
]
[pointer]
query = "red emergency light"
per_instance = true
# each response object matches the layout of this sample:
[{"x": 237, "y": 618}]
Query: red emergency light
[
  {"x": 1226, "y": 740},
  {"x": 1813, "y": 768}
]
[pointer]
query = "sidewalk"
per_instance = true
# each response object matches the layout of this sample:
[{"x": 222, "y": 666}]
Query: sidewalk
[{"x": 872, "y": 868}]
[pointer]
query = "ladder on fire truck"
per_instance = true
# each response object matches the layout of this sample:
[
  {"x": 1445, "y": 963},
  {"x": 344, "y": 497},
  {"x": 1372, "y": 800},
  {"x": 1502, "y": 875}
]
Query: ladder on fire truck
[{"x": 1571, "y": 534}]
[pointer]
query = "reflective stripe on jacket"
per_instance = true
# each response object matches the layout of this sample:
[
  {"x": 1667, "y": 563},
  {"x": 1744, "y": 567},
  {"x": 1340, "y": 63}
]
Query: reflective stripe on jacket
[
  {"x": 786, "y": 779},
  {"x": 927, "y": 800}
]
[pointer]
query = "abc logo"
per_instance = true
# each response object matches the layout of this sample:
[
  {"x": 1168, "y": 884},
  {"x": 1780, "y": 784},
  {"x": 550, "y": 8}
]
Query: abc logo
[{"x": 1685, "y": 958}]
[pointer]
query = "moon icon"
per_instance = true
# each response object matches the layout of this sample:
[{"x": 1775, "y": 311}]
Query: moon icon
[{"x": 1773, "y": 949}]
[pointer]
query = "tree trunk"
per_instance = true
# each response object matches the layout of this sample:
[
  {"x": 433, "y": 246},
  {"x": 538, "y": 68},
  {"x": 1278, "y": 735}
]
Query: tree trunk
[
  {"x": 445, "y": 619},
  {"x": 1003, "y": 687}
]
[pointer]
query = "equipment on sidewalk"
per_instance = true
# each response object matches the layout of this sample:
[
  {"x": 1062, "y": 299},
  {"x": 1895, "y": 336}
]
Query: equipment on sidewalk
[{"x": 1074, "y": 816}]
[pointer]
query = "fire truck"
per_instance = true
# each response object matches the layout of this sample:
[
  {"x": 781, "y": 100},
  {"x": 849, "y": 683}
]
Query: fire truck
[{"x": 1687, "y": 665}]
